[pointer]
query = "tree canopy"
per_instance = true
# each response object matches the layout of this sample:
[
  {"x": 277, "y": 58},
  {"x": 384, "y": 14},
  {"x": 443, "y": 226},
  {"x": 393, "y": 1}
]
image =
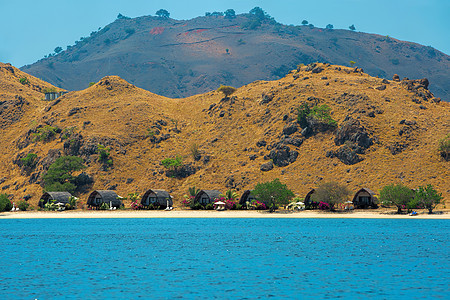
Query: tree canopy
[
  {"x": 226, "y": 90},
  {"x": 273, "y": 192},
  {"x": 352, "y": 27},
  {"x": 59, "y": 176},
  {"x": 162, "y": 13},
  {"x": 230, "y": 13},
  {"x": 398, "y": 195},
  {"x": 428, "y": 197}
]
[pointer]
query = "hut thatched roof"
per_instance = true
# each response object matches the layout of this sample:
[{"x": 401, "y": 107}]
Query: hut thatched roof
[
  {"x": 370, "y": 192},
  {"x": 244, "y": 197},
  {"x": 162, "y": 197},
  {"x": 62, "y": 197},
  {"x": 308, "y": 196},
  {"x": 211, "y": 194},
  {"x": 106, "y": 196}
]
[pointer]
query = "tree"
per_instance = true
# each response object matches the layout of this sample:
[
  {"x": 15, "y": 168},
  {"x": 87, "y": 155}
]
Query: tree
[
  {"x": 162, "y": 13},
  {"x": 331, "y": 192},
  {"x": 226, "y": 90},
  {"x": 398, "y": 195},
  {"x": 329, "y": 26},
  {"x": 59, "y": 175},
  {"x": 352, "y": 63},
  {"x": 304, "y": 22},
  {"x": 259, "y": 13},
  {"x": 5, "y": 203},
  {"x": 352, "y": 27},
  {"x": 428, "y": 197},
  {"x": 230, "y": 14},
  {"x": 58, "y": 49},
  {"x": 272, "y": 193},
  {"x": 122, "y": 17}
]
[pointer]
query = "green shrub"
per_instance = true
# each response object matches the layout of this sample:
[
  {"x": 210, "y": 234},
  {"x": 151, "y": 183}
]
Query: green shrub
[
  {"x": 91, "y": 83},
  {"x": 29, "y": 162},
  {"x": 273, "y": 192},
  {"x": 5, "y": 203},
  {"x": 24, "y": 80},
  {"x": 302, "y": 113},
  {"x": 172, "y": 163},
  {"x": 398, "y": 195},
  {"x": 23, "y": 205},
  {"x": 444, "y": 147},
  {"x": 209, "y": 206},
  {"x": 322, "y": 113},
  {"x": 104, "y": 156},
  {"x": 427, "y": 197},
  {"x": 72, "y": 204},
  {"x": 104, "y": 206},
  {"x": 196, "y": 206},
  {"x": 59, "y": 176},
  {"x": 45, "y": 134}
]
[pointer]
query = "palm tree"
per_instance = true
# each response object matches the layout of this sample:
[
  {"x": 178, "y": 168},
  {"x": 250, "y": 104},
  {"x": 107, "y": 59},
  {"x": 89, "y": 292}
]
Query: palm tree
[{"x": 230, "y": 195}]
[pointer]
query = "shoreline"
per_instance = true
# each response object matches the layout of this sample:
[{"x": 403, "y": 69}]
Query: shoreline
[{"x": 143, "y": 214}]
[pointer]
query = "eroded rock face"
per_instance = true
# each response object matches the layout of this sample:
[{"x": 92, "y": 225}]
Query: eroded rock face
[
  {"x": 283, "y": 156},
  {"x": 351, "y": 130},
  {"x": 346, "y": 155}
]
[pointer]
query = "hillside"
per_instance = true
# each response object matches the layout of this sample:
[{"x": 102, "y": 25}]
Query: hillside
[
  {"x": 181, "y": 58},
  {"x": 383, "y": 134}
]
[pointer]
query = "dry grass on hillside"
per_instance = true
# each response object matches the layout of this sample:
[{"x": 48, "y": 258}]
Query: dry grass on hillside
[{"x": 125, "y": 118}]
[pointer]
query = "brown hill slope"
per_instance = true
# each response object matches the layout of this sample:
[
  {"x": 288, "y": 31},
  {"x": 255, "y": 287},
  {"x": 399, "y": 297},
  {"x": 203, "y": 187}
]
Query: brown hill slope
[
  {"x": 181, "y": 58},
  {"x": 394, "y": 138}
]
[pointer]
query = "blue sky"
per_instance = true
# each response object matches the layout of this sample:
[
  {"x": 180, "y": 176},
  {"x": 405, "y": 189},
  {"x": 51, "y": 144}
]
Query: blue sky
[{"x": 30, "y": 29}]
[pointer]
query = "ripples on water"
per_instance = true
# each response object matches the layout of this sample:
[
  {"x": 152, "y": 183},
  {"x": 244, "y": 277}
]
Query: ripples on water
[{"x": 224, "y": 258}]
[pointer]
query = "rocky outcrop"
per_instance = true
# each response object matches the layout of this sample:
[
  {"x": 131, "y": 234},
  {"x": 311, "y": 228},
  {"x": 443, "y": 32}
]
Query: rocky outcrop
[
  {"x": 267, "y": 166},
  {"x": 352, "y": 131},
  {"x": 283, "y": 156},
  {"x": 346, "y": 155}
]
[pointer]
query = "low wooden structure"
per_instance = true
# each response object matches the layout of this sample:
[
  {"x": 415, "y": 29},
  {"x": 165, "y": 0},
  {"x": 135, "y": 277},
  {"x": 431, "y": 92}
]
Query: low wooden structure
[
  {"x": 247, "y": 196},
  {"x": 365, "y": 198},
  {"x": 158, "y": 197},
  {"x": 207, "y": 196},
  {"x": 56, "y": 197},
  {"x": 98, "y": 197}
]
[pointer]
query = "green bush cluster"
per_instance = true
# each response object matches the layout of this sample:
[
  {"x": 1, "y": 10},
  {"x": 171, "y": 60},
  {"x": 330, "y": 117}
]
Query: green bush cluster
[
  {"x": 24, "y": 80},
  {"x": 332, "y": 193},
  {"x": 273, "y": 193},
  {"x": 29, "y": 162},
  {"x": 104, "y": 156},
  {"x": 172, "y": 164},
  {"x": 59, "y": 176},
  {"x": 403, "y": 197},
  {"x": 5, "y": 203},
  {"x": 319, "y": 113},
  {"x": 45, "y": 134},
  {"x": 23, "y": 205}
]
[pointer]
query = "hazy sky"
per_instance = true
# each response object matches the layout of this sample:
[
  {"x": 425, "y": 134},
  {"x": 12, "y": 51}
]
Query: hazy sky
[{"x": 30, "y": 29}]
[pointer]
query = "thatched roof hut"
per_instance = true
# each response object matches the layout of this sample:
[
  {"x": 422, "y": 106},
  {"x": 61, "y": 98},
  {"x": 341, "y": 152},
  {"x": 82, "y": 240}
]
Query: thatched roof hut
[
  {"x": 308, "y": 199},
  {"x": 96, "y": 198},
  {"x": 246, "y": 196},
  {"x": 206, "y": 196},
  {"x": 365, "y": 198},
  {"x": 159, "y": 197},
  {"x": 57, "y": 197}
]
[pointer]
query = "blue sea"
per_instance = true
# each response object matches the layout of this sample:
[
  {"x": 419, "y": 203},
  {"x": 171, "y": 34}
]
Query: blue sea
[{"x": 224, "y": 258}]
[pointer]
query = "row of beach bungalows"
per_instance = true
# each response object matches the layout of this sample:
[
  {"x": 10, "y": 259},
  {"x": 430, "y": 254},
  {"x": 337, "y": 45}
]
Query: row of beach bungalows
[{"x": 364, "y": 198}]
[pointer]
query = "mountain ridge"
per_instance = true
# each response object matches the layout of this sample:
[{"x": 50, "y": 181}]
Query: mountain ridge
[{"x": 180, "y": 58}]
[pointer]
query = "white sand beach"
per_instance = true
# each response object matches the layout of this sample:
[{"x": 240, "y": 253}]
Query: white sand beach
[{"x": 81, "y": 214}]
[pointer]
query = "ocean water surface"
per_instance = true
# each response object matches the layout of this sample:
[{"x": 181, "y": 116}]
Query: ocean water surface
[{"x": 224, "y": 258}]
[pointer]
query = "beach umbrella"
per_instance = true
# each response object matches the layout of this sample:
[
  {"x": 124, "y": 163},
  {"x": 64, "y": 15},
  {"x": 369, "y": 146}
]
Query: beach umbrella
[
  {"x": 219, "y": 203},
  {"x": 300, "y": 203}
]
